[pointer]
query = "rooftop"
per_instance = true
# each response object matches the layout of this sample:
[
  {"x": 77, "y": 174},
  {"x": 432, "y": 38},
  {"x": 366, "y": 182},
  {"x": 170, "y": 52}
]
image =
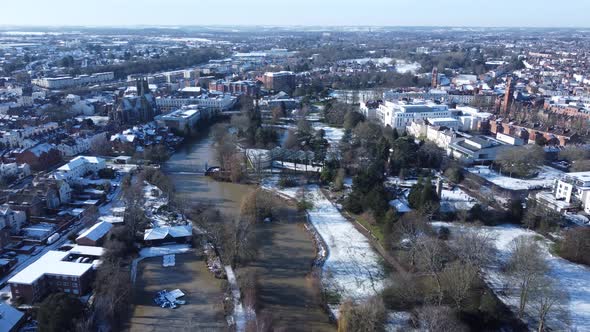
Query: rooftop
[{"x": 56, "y": 263}]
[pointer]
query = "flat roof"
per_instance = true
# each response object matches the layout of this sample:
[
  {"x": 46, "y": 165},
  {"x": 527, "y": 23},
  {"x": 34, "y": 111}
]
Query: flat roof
[{"x": 52, "y": 263}]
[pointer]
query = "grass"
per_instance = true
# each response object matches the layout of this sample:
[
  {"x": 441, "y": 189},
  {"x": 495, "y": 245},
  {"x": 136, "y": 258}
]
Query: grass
[{"x": 373, "y": 228}]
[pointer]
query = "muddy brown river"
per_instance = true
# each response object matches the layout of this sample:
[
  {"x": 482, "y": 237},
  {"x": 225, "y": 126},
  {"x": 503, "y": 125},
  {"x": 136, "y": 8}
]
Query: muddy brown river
[{"x": 186, "y": 168}]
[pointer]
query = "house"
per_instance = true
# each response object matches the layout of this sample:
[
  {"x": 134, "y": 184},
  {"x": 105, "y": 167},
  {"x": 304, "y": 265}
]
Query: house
[
  {"x": 12, "y": 219},
  {"x": 168, "y": 234},
  {"x": 69, "y": 272},
  {"x": 79, "y": 167},
  {"x": 95, "y": 235},
  {"x": 10, "y": 318},
  {"x": 29, "y": 203},
  {"x": 52, "y": 192},
  {"x": 40, "y": 157}
]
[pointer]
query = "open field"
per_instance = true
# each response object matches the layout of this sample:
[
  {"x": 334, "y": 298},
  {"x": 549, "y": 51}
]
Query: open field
[{"x": 204, "y": 296}]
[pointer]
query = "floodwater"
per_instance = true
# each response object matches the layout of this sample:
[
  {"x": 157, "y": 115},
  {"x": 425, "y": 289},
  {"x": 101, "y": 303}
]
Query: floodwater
[
  {"x": 286, "y": 252},
  {"x": 186, "y": 168}
]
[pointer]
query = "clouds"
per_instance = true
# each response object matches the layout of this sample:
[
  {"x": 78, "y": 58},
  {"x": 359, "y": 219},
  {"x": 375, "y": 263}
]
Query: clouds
[{"x": 296, "y": 12}]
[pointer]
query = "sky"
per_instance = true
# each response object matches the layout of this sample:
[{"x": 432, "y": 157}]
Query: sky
[{"x": 479, "y": 13}]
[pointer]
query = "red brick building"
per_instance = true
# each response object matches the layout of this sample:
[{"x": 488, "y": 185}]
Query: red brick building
[
  {"x": 69, "y": 272},
  {"x": 40, "y": 157}
]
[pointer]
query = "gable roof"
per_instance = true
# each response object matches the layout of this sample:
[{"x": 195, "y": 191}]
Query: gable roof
[
  {"x": 161, "y": 233},
  {"x": 97, "y": 231}
]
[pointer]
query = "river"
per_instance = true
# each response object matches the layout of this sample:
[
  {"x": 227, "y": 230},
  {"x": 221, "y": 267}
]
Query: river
[
  {"x": 186, "y": 169},
  {"x": 286, "y": 249}
]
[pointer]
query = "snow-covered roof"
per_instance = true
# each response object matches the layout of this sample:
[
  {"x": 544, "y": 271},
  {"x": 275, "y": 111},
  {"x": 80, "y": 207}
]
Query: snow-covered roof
[
  {"x": 79, "y": 161},
  {"x": 112, "y": 219},
  {"x": 51, "y": 263},
  {"x": 9, "y": 317},
  {"x": 87, "y": 251},
  {"x": 97, "y": 231},
  {"x": 161, "y": 233}
]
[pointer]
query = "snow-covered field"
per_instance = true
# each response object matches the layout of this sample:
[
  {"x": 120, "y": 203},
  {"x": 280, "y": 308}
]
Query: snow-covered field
[
  {"x": 573, "y": 278},
  {"x": 352, "y": 267},
  {"x": 544, "y": 179}
]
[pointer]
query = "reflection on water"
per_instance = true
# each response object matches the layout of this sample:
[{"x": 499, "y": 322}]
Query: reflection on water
[{"x": 186, "y": 169}]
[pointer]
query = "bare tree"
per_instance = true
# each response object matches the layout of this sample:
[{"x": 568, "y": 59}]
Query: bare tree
[
  {"x": 526, "y": 267},
  {"x": 407, "y": 232},
  {"x": 457, "y": 280},
  {"x": 475, "y": 249},
  {"x": 439, "y": 319},
  {"x": 549, "y": 300},
  {"x": 433, "y": 254},
  {"x": 364, "y": 317}
]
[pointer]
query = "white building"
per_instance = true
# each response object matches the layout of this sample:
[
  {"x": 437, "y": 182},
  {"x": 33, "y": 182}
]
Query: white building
[
  {"x": 69, "y": 82},
  {"x": 182, "y": 120},
  {"x": 400, "y": 114},
  {"x": 218, "y": 103},
  {"x": 574, "y": 187},
  {"x": 78, "y": 167},
  {"x": 441, "y": 137},
  {"x": 12, "y": 218},
  {"x": 475, "y": 149}
]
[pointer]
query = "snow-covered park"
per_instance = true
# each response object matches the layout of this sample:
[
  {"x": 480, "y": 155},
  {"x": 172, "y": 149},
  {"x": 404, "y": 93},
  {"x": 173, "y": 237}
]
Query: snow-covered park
[
  {"x": 573, "y": 278},
  {"x": 544, "y": 179}
]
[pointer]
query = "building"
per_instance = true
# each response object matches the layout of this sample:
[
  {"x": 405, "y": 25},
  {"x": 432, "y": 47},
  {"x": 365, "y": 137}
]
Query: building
[
  {"x": 12, "y": 219},
  {"x": 183, "y": 120},
  {"x": 168, "y": 234},
  {"x": 217, "y": 103},
  {"x": 477, "y": 149},
  {"x": 247, "y": 88},
  {"x": 70, "y": 82},
  {"x": 11, "y": 319},
  {"x": 279, "y": 81},
  {"x": 79, "y": 167},
  {"x": 138, "y": 108},
  {"x": 57, "y": 271},
  {"x": 400, "y": 114},
  {"x": 441, "y": 136},
  {"x": 508, "y": 95},
  {"x": 95, "y": 235},
  {"x": 574, "y": 189},
  {"x": 40, "y": 157}
]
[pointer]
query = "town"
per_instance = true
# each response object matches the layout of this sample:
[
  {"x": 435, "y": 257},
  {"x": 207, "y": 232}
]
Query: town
[{"x": 294, "y": 179}]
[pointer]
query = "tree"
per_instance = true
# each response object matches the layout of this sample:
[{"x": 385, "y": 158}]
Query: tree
[
  {"x": 257, "y": 206},
  {"x": 457, "y": 281},
  {"x": 407, "y": 231},
  {"x": 439, "y": 319},
  {"x": 429, "y": 155},
  {"x": 520, "y": 161},
  {"x": 526, "y": 266},
  {"x": 474, "y": 248},
  {"x": 364, "y": 317},
  {"x": 423, "y": 196},
  {"x": 549, "y": 300},
  {"x": 58, "y": 313},
  {"x": 575, "y": 245},
  {"x": 432, "y": 256}
]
